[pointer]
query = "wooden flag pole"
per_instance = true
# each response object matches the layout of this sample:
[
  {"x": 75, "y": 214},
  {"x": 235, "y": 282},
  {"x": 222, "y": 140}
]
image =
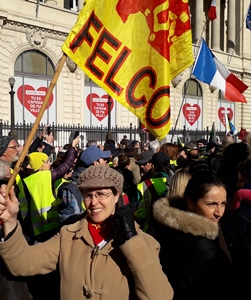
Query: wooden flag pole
[{"x": 36, "y": 124}]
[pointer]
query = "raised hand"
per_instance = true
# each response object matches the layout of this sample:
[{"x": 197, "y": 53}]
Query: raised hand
[
  {"x": 9, "y": 207},
  {"x": 76, "y": 141}
]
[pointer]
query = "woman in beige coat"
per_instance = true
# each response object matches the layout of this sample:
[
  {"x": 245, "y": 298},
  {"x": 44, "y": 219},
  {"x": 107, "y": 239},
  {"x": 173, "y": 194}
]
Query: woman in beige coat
[{"x": 102, "y": 256}]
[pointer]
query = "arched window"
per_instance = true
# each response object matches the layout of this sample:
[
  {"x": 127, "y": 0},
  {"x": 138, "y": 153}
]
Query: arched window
[
  {"x": 34, "y": 63},
  {"x": 192, "y": 105},
  {"x": 33, "y": 73}
]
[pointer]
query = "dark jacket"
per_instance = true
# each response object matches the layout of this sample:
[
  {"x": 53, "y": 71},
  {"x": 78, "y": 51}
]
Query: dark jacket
[
  {"x": 37, "y": 143},
  {"x": 238, "y": 236},
  {"x": 129, "y": 185},
  {"x": 190, "y": 254}
]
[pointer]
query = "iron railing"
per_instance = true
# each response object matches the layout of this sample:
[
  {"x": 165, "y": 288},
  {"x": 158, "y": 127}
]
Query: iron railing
[{"x": 63, "y": 134}]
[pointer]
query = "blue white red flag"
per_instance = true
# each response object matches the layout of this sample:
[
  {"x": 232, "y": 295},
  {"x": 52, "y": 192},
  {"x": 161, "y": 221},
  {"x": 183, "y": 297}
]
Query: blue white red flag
[
  {"x": 208, "y": 69},
  {"x": 212, "y": 11}
]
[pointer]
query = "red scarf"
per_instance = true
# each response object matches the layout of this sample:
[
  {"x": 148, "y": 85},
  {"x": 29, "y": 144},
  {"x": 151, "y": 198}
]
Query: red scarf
[{"x": 100, "y": 231}]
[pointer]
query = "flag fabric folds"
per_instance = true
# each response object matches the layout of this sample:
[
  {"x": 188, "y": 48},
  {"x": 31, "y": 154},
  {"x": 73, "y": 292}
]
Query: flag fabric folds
[
  {"x": 242, "y": 134},
  {"x": 230, "y": 129},
  {"x": 248, "y": 19},
  {"x": 132, "y": 49},
  {"x": 212, "y": 137},
  {"x": 212, "y": 11},
  {"x": 208, "y": 69},
  {"x": 179, "y": 142}
]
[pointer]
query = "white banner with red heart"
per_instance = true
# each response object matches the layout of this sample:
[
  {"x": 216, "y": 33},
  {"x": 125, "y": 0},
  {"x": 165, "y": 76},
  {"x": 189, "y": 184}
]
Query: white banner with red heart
[
  {"x": 98, "y": 104},
  {"x": 31, "y": 95},
  {"x": 192, "y": 114},
  {"x": 223, "y": 109}
]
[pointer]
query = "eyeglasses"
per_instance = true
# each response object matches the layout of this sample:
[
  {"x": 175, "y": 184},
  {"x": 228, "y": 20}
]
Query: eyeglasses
[
  {"x": 15, "y": 147},
  {"x": 100, "y": 196}
]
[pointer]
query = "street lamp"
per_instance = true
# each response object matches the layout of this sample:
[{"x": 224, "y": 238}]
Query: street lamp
[{"x": 12, "y": 93}]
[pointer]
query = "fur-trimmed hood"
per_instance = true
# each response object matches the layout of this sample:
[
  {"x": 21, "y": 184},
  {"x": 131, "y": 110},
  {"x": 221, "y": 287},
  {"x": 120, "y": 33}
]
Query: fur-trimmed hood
[{"x": 166, "y": 214}]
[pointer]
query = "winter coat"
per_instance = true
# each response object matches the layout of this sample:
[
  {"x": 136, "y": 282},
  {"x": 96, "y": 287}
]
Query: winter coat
[
  {"x": 130, "y": 271},
  {"x": 190, "y": 254},
  {"x": 238, "y": 236},
  {"x": 135, "y": 170}
]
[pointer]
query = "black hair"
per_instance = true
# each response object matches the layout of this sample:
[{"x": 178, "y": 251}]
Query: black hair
[{"x": 200, "y": 184}]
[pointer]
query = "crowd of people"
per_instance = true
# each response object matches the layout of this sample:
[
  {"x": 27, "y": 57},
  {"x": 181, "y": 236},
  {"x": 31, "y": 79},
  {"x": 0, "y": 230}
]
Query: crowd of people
[{"x": 126, "y": 220}]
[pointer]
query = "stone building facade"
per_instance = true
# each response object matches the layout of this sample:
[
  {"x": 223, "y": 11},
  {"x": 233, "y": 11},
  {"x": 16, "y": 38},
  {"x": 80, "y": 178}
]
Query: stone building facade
[{"x": 31, "y": 36}]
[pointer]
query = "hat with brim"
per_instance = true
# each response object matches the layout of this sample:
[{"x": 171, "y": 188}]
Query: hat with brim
[
  {"x": 92, "y": 154},
  {"x": 146, "y": 156}
]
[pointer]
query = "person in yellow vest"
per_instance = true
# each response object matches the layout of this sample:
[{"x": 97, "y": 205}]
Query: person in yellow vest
[
  {"x": 43, "y": 207},
  {"x": 152, "y": 189}
]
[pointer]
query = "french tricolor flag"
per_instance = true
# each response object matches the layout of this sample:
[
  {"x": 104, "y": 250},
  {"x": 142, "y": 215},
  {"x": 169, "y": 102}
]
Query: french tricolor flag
[
  {"x": 208, "y": 69},
  {"x": 212, "y": 11}
]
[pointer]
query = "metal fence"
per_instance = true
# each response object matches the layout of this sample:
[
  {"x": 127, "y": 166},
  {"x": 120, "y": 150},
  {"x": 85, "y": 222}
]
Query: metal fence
[{"x": 63, "y": 134}]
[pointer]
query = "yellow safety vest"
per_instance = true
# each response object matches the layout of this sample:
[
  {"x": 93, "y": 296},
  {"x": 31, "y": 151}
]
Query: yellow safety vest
[
  {"x": 21, "y": 196},
  {"x": 43, "y": 205},
  {"x": 143, "y": 213},
  {"x": 57, "y": 185}
]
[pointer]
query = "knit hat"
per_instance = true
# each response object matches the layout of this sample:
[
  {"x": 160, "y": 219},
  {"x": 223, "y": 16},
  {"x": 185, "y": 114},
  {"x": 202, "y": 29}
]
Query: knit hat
[
  {"x": 100, "y": 177},
  {"x": 93, "y": 153},
  {"x": 146, "y": 156},
  {"x": 37, "y": 159},
  {"x": 4, "y": 142}
]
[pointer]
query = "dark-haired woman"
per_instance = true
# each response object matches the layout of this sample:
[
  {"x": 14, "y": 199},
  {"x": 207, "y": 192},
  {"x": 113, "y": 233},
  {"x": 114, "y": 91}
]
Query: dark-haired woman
[{"x": 193, "y": 258}]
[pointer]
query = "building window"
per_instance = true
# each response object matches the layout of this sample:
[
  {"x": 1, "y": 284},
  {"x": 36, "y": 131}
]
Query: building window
[
  {"x": 35, "y": 63},
  {"x": 192, "y": 88},
  {"x": 71, "y": 4},
  {"x": 33, "y": 74},
  {"x": 192, "y": 105}
]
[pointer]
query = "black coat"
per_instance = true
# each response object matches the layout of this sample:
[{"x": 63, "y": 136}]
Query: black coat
[
  {"x": 190, "y": 254},
  {"x": 238, "y": 237}
]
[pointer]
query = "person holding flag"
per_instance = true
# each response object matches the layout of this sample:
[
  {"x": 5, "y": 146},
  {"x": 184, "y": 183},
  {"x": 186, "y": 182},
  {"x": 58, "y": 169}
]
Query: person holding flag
[{"x": 103, "y": 256}]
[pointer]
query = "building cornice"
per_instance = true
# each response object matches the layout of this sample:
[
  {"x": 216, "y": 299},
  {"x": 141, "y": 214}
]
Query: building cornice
[{"x": 31, "y": 28}]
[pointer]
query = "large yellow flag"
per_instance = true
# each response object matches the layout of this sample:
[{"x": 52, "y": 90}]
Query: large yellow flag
[{"x": 132, "y": 49}]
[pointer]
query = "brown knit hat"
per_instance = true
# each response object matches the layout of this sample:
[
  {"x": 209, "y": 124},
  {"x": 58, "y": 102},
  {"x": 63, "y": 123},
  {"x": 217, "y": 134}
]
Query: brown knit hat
[{"x": 100, "y": 177}]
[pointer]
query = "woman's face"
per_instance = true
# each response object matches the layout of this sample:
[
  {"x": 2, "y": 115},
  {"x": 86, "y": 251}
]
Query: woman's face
[
  {"x": 100, "y": 203},
  {"x": 46, "y": 166},
  {"x": 212, "y": 205},
  {"x": 242, "y": 180}
]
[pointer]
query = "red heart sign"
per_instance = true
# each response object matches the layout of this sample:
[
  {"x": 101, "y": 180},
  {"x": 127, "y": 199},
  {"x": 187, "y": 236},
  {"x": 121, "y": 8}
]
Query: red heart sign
[
  {"x": 98, "y": 106},
  {"x": 221, "y": 114},
  {"x": 191, "y": 112},
  {"x": 33, "y": 99}
]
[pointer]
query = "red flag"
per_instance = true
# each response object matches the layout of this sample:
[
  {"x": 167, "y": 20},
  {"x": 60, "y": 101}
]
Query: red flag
[{"x": 212, "y": 11}]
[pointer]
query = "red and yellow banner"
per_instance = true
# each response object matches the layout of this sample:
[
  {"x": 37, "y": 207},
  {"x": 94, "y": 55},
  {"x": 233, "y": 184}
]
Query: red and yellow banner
[{"x": 132, "y": 49}]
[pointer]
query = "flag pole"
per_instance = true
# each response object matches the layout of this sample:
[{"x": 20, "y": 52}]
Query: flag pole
[
  {"x": 36, "y": 123},
  {"x": 190, "y": 76},
  {"x": 230, "y": 55}
]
